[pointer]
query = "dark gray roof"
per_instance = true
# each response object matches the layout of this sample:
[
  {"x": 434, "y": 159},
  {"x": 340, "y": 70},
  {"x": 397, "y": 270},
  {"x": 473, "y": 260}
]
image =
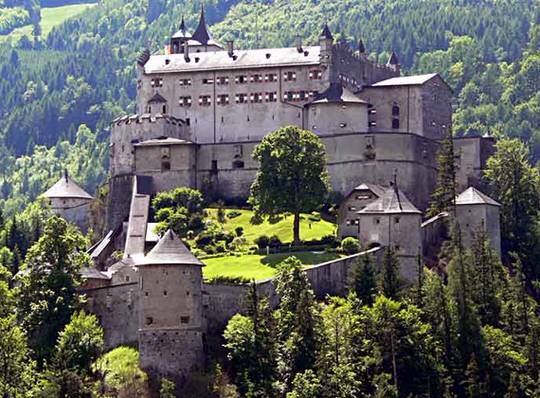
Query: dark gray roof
[
  {"x": 170, "y": 251},
  {"x": 244, "y": 59},
  {"x": 201, "y": 34},
  {"x": 65, "y": 187},
  {"x": 472, "y": 196},
  {"x": 361, "y": 47},
  {"x": 337, "y": 93},
  {"x": 376, "y": 189},
  {"x": 92, "y": 273},
  {"x": 144, "y": 57},
  {"x": 392, "y": 201},
  {"x": 157, "y": 99},
  {"x": 326, "y": 32},
  {"x": 393, "y": 59},
  {"x": 182, "y": 31}
]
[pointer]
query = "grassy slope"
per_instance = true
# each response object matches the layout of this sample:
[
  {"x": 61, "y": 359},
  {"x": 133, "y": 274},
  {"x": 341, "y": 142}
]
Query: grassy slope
[
  {"x": 283, "y": 228},
  {"x": 255, "y": 266},
  {"x": 51, "y": 17}
]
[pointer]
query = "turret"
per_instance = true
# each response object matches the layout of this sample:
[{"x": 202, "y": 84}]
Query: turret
[
  {"x": 393, "y": 62},
  {"x": 171, "y": 324},
  {"x": 180, "y": 38},
  {"x": 326, "y": 41}
]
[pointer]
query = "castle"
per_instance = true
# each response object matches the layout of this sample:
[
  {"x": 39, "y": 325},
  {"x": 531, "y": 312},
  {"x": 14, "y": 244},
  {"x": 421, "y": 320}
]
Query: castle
[{"x": 202, "y": 108}]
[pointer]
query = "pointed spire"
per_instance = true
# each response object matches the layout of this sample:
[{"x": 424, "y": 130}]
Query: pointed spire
[
  {"x": 201, "y": 33},
  {"x": 66, "y": 175},
  {"x": 326, "y": 32},
  {"x": 361, "y": 47},
  {"x": 393, "y": 60},
  {"x": 183, "y": 26}
]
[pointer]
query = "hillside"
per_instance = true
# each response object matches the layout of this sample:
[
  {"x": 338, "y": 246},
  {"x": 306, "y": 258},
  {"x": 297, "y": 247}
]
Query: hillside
[{"x": 82, "y": 72}]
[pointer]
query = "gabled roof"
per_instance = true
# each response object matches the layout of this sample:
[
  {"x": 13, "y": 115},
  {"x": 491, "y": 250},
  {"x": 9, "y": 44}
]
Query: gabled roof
[
  {"x": 376, "y": 189},
  {"x": 392, "y": 201},
  {"x": 201, "y": 34},
  {"x": 182, "y": 32},
  {"x": 65, "y": 187},
  {"x": 337, "y": 93},
  {"x": 169, "y": 251},
  {"x": 472, "y": 196},
  {"x": 92, "y": 273},
  {"x": 157, "y": 99},
  {"x": 415, "y": 80},
  {"x": 244, "y": 59}
]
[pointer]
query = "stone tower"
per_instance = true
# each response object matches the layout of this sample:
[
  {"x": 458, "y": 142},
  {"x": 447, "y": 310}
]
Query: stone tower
[
  {"x": 171, "y": 326},
  {"x": 476, "y": 211},
  {"x": 392, "y": 220}
]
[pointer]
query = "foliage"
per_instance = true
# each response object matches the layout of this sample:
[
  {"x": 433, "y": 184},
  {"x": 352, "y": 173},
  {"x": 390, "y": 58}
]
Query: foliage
[
  {"x": 292, "y": 176},
  {"x": 79, "y": 344},
  {"x": 180, "y": 209},
  {"x": 442, "y": 199},
  {"x": 350, "y": 245},
  {"x": 48, "y": 294},
  {"x": 16, "y": 365},
  {"x": 364, "y": 280},
  {"x": 120, "y": 373},
  {"x": 515, "y": 184},
  {"x": 390, "y": 275}
]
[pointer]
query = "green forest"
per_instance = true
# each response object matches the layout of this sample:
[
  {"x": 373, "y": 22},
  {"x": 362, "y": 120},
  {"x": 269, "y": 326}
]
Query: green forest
[{"x": 82, "y": 72}]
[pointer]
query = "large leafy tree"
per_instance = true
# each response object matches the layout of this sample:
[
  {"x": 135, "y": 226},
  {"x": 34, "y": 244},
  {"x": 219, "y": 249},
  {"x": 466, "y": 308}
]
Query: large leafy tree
[
  {"x": 515, "y": 184},
  {"x": 48, "y": 294},
  {"x": 292, "y": 176}
]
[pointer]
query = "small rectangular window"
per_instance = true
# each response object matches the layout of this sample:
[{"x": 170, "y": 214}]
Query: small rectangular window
[
  {"x": 315, "y": 74},
  {"x": 184, "y": 82},
  {"x": 205, "y": 100},
  {"x": 208, "y": 80},
  {"x": 241, "y": 98},
  {"x": 241, "y": 79},
  {"x": 271, "y": 97},
  {"x": 149, "y": 320},
  {"x": 157, "y": 82},
  {"x": 222, "y": 80},
  {"x": 223, "y": 99},
  {"x": 256, "y": 97},
  {"x": 289, "y": 76},
  {"x": 270, "y": 77},
  {"x": 184, "y": 101},
  {"x": 184, "y": 319},
  {"x": 257, "y": 78}
]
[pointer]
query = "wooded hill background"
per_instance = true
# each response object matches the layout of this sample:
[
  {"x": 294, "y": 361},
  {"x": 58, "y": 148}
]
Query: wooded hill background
[{"x": 60, "y": 91}]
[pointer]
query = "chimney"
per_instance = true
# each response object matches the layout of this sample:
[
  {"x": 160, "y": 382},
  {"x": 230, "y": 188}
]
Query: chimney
[
  {"x": 66, "y": 175},
  {"x": 230, "y": 48},
  {"x": 298, "y": 40},
  {"x": 186, "y": 51}
]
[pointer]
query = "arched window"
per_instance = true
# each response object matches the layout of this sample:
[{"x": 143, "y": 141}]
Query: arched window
[
  {"x": 395, "y": 123},
  {"x": 165, "y": 163},
  {"x": 395, "y": 110},
  {"x": 164, "y": 109}
]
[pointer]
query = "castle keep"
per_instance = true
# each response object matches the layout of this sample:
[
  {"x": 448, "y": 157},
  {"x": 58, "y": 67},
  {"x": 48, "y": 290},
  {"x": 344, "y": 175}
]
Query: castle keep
[{"x": 201, "y": 110}]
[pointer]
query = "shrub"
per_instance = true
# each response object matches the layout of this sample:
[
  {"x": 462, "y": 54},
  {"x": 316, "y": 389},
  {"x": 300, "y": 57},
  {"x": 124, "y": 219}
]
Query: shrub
[
  {"x": 233, "y": 214},
  {"x": 274, "y": 241},
  {"x": 239, "y": 231},
  {"x": 209, "y": 249},
  {"x": 350, "y": 245},
  {"x": 205, "y": 238},
  {"x": 228, "y": 280},
  {"x": 221, "y": 247},
  {"x": 262, "y": 241}
]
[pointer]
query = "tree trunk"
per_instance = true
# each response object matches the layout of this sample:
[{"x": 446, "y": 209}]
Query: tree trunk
[{"x": 296, "y": 228}]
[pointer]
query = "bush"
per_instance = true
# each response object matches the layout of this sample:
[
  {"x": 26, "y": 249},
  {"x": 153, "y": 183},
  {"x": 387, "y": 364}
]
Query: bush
[
  {"x": 221, "y": 247},
  {"x": 350, "y": 245},
  {"x": 233, "y": 214},
  {"x": 262, "y": 241},
  {"x": 274, "y": 241},
  {"x": 228, "y": 280},
  {"x": 239, "y": 231},
  {"x": 209, "y": 249}
]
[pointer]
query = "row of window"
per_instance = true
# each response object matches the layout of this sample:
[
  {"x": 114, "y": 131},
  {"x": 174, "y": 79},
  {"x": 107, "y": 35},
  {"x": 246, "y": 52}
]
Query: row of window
[
  {"x": 395, "y": 116},
  {"x": 375, "y": 221},
  {"x": 243, "y": 98},
  {"x": 289, "y": 76}
]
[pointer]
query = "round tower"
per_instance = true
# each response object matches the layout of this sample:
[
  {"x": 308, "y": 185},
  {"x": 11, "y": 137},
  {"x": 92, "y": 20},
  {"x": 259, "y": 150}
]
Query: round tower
[{"x": 171, "y": 324}]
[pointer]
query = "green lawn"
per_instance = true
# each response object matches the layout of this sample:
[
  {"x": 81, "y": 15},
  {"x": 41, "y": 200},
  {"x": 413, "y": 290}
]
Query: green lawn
[
  {"x": 256, "y": 266},
  {"x": 283, "y": 228},
  {"x": 51, "y": 17}
]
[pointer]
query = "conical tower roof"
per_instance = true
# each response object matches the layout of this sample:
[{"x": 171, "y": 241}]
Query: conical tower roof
[
  {"x": 472, "y": 196},
  {"x": 393, "y": 60},
  {"x": 182, "y": 32},
  {"x": 65, "y": 187},
  {"x": 201, "y": 34},
  {"x": 170, "y": 251},
  {"x": 326, "y": 33}
]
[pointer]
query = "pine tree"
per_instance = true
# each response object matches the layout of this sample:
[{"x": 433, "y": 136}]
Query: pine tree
[
  {"x": 390, "y": 280},
  {"x": 364, "y": 282},
  {"x": 442, "y": 199}
]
